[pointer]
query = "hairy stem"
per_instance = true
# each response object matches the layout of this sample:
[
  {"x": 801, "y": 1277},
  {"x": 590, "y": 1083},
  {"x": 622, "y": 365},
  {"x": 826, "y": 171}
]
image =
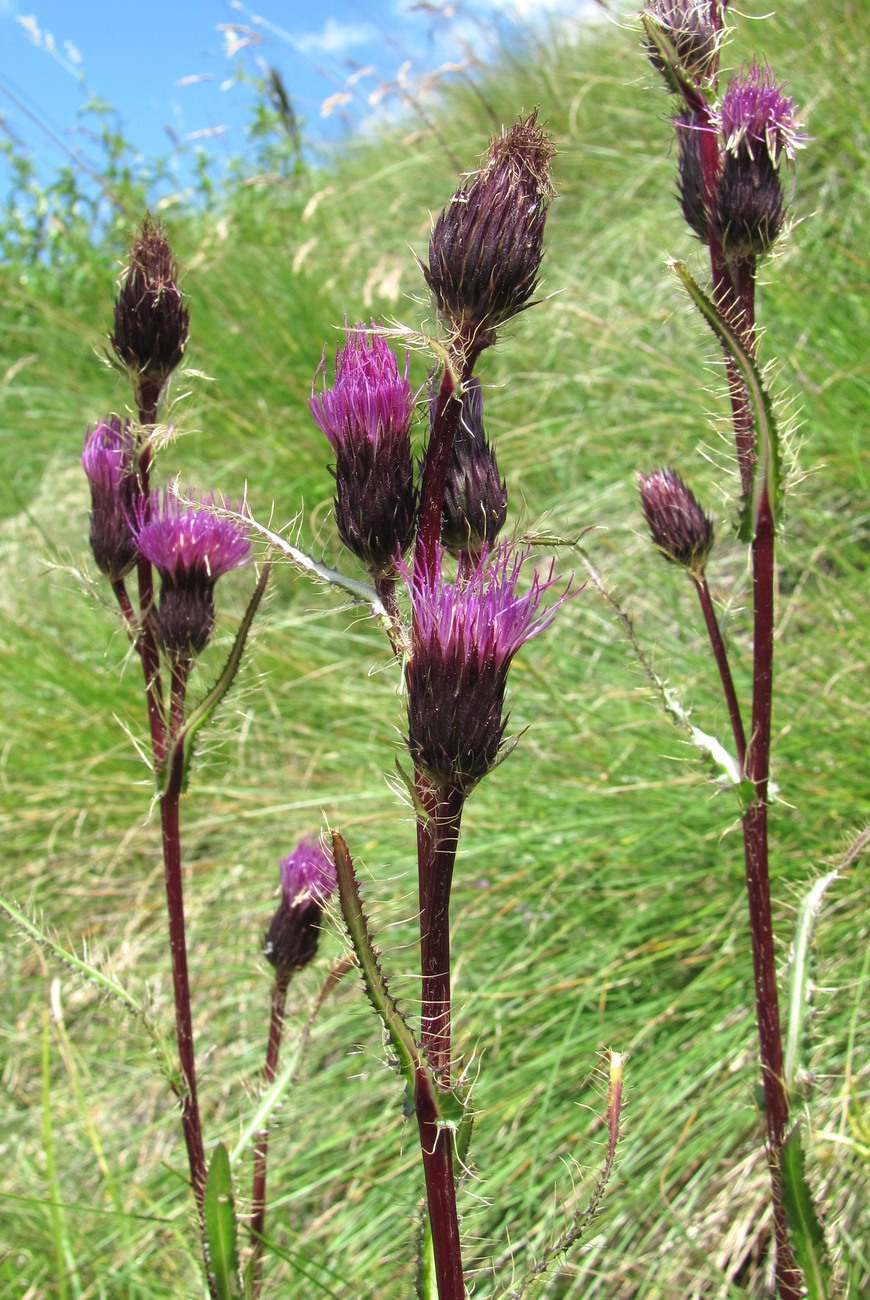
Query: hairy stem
[
  {"x": 261, "y": 1150},
  {"x": 721, "y": 656}
]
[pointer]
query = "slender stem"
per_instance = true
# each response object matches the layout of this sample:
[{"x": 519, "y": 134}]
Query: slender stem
[
  {"x": 721, "y": 656},
  {"x": 385, "y": 585},
  {"x": 190, "y": 1119},
  {"x": 436, "y": 1146},
  {"x": 261, "y": 1150}
]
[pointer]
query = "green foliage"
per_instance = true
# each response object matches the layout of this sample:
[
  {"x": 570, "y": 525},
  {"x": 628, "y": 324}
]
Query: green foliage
[
  {"x": 598, "y": 896},
  {"x": 221, "y": 1229}
]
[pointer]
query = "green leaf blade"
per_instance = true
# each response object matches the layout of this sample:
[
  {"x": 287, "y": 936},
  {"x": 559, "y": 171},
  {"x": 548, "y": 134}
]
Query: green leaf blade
[
  {"x": 221, "y": 1229},
  {"x": 805, "y": 1230}
]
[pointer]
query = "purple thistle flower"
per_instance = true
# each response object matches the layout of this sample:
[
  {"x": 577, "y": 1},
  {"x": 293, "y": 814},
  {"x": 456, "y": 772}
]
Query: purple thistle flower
[
  {"x": 366, "y": 416},
  {"x": 191, "y": 547},
  {"x": 109, "y": 461},
  {"x": 754, "y": 112},
  {"x": 308, "y": 881},
  {"x": 465, "y": 636}
]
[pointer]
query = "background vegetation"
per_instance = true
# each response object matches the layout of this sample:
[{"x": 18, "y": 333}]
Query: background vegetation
[{"x": 599, "y": 899}]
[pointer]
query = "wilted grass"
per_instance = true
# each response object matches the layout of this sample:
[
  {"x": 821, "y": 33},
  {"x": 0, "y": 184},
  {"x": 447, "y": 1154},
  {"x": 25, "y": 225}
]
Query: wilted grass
[{"x": 599, "y": 899}]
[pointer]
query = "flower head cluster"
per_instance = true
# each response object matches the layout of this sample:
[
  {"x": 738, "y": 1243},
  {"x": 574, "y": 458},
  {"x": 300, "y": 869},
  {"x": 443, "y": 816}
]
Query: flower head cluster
[
  {"x": 307, "y": 883},
  {"x": 109, "y": 461},
  {"x": 191, "y": 547},
  {"x": 486, "y": 247},
  {"x": 366, "y": 415},
  {"x": 465, "y": 636},
  {"x": 475, "y": 495},
  {"x": 677, "y": 523},
  {"x": 151, "y": 321}
]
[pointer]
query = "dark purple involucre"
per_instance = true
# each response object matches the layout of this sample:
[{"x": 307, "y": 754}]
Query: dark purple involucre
[
  {"x": 486, "y": 247},
  {"x": 677, "y": 523},
  {"x": 109, "y": 461},
  {"x": 191, "y": 547},
  {"x": 475, "y": 495},
  {"x": 366, "y": 415},
  {"x": 307, "y": 883},
  {"x": 151, "y": 320},
  {"x": 465, "y": 636}
]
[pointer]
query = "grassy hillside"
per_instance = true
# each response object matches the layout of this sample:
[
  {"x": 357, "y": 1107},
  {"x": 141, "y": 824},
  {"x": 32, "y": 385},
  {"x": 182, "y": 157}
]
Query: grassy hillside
[{"x": 599, "y": 898}]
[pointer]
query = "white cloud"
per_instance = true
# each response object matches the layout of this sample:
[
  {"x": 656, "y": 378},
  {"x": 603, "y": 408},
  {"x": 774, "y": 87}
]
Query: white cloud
[{"x": 336, "y": 38}]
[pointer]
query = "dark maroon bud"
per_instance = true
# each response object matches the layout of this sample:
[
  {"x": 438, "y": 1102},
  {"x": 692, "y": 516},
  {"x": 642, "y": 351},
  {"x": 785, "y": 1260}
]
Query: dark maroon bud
[
  {"x": 475, "y": 495},
  {"x": 486, "y": 248},
  {"x": 690, "y": 174},
  {"x": 109, "y": 460},
  {"x": 677, "y": 524},
  {"x": 191, "y": 547},
  {"x": 366, "y": 416},
  {"x": 151, "y": 321},
  {"x": 748, "y": 211},
  {"x": 686, "y": 25},
  {"x": 307, "y": 883}
]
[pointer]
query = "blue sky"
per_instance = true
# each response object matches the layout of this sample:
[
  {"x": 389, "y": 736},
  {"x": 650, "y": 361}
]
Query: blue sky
[{"x": 167, "y": 65}]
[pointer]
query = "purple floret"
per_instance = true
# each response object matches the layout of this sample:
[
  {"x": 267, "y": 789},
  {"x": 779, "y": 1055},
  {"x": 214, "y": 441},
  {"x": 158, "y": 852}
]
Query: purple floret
[
  {"x": 109, "y": 461},
  {"x": 754, "y": 111},
  {"x": 370, "y": 398}
]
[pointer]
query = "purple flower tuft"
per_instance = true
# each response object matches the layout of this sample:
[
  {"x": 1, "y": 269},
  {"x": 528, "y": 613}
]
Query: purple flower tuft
[
  {"x": 191, "y": 547},
  {"x": 464, "y": 639},
  {"x": 366, "y": 416},
  {"x": 754, "y": 112},
  {"x": 109, "y": 461},
  {"x": 307, "y": 883}
]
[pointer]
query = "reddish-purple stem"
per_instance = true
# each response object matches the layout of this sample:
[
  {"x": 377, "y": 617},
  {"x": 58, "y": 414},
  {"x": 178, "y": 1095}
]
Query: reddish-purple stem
[
  {"x": 721, "y": 656},
  {"x": 261, "y": 1150}
]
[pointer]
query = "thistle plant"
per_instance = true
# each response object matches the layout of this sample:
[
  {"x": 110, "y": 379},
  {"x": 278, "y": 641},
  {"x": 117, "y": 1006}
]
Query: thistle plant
[{"x": 732, "y": 145}]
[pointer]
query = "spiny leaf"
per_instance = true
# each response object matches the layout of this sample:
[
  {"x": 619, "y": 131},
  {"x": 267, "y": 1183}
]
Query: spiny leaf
[
  {"x": 221, "y": 1229},
  {"x": 205, "y": 708},
  {"x": 766, "y": 475},
  {"x": 805, "y": 1230},
  {"x": 799, "y": 986}
]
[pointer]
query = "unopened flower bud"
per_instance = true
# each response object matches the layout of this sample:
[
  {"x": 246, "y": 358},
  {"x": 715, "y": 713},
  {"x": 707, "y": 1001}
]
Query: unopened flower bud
[
  {"x": 109, "y": 461},
  {"x": 486, "y": 248},
  {"x": 677, "y": 524},
  {"x": 366, "y": 416},
  {"x": 475, "y": 495},
  {"x": 151, "y": 321},
  {"x": 687, "y": 27},
  {"x": 690, "y": 174},
  {"x": 191, "y": 547},
  {"x": 307, "y": 883},
  {"x": 464, "y": 640}
]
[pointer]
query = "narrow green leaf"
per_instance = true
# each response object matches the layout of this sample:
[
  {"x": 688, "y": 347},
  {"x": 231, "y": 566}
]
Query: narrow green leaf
[
  {"x": 207, "y": 705},
  {"x": 221, "y": 1228},
  {"x": 804, "y": 1229},
  {"x": 766, "y": 476},
  {"x": 799, "y": 981}
]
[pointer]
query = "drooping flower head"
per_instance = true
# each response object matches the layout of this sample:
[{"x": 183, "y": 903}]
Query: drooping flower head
[
  {"x": 475, "y": 495},
  {"x": 486, "y": 247},
  {"x": 677, "y": 523},
  {"x": 366, "y": 415},
  {"x": 191, "y": 547},
  {"x": 109, "y": 461},
  {"x": 465, "y": 636},
  {"x": 307, "y": 883},
  {"x": 151, "y": 321}
]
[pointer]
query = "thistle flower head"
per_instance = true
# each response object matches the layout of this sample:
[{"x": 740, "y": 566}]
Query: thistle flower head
[
  {"x": 307, "y": 883},
  {"x": 366, "y": 415},
  {"x": 109, "y": 461},
  {"x": 677, "y": 523},
  {"x": 475, "y": 495},
  {"x": 151, "y": 321},
  {"x": 465, "y": 636},
  {"x": 690, "y": 174},
  {"x": 755, "y": 114},
  {"x": 686, "y": 25},
  {"x": 486, "y": 247},
  {"x": 191, "y": 547}
]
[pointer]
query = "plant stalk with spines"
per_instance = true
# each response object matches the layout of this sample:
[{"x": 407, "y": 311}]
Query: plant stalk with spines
[{"x": 731, "y": 196}]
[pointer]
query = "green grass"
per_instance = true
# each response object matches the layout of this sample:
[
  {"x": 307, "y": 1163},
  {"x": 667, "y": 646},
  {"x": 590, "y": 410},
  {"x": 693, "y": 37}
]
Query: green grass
[{"x": 599, "y": 897}]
